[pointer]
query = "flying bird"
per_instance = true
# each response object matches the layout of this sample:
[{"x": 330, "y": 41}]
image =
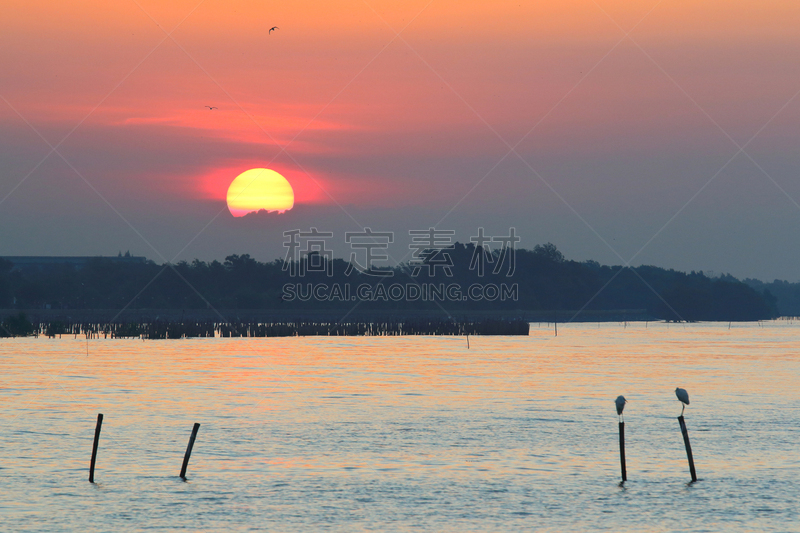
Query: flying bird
[
  {"x": 273, "y": 28},
  {"x": 620, "y": 402},
  {"x": 683, "y": 396},
  {"x": 211, "y": 108}
]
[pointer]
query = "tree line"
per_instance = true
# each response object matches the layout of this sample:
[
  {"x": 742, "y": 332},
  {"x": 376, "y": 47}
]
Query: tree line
[
  {"x": 787, "y": 295},
  {"x": 540, "y": 279}
]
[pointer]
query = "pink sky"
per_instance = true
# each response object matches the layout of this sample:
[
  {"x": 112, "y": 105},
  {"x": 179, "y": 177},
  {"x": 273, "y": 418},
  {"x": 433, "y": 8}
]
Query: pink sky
[{"x": 403, "y": 130}]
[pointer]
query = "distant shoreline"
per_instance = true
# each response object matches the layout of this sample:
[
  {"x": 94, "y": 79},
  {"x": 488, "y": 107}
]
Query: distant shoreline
[
  {"x": 176, "y": 324},
  {"x": 274, "y": 315}
]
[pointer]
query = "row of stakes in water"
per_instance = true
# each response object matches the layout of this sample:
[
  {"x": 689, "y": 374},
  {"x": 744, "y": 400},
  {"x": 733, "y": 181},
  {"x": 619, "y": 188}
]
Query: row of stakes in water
[
  {"x": 293, "y": 328},
  {"x": 97, "y": 442},
  {"x": 683, "y": 396},
  {"x": 620, "y": 402}
]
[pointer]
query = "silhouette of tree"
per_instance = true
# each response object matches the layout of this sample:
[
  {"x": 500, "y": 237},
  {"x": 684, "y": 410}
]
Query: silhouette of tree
[
  {"x": 544, "y": 279},
  {"x": 16, "y": 326}
]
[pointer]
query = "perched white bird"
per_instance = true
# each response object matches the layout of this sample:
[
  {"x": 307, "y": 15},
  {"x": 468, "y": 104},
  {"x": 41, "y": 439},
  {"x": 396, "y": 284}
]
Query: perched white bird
[
  {"x": 620, "y": 402},
  {"x": 683, "y": 396}
]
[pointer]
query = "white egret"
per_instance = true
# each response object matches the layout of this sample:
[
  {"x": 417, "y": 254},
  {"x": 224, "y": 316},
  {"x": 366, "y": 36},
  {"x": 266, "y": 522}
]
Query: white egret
[
  {"x": 683, "y": 396},
  {"x": 620, "y": 402}
]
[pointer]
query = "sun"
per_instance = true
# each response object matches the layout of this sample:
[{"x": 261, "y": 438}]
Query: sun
[{"x": 257, "y": 189}]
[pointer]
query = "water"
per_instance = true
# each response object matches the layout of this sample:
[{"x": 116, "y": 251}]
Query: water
[{"x": 405, "y": 433}]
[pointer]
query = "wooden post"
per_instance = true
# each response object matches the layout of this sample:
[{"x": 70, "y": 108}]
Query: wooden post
[
  {"x": 622, "y": 451},
  {"x": 189, "y": 450},
  {"x": 688, "y": 447},
  {"x": 94, "y": 447}
]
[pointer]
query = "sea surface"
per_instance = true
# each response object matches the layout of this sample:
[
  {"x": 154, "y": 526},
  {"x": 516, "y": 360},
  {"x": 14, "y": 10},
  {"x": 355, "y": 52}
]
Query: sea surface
[{"x": 406, "y": 433}]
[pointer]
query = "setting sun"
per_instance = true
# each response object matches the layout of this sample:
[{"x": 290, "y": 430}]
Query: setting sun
[{"x": 259, "y": 189}]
